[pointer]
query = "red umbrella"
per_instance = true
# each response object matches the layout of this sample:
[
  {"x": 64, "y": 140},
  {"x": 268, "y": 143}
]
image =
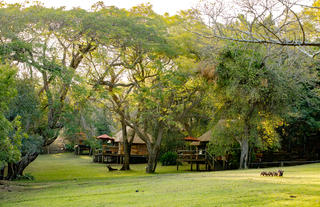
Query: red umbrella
[{"x": 105, "y": 137}]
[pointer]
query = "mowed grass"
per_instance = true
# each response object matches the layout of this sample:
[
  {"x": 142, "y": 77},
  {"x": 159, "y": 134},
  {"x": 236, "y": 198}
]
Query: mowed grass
[{"x": 66, "y": 180}]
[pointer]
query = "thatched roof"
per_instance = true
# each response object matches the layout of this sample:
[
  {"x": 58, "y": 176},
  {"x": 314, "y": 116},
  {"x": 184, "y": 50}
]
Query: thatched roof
[
  {"x": 205, "y": 137},
  {"x": 136, "y": 139}
]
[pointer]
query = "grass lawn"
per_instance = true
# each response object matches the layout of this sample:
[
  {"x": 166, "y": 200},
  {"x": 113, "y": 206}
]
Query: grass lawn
[{"x": 66, "y": 180}]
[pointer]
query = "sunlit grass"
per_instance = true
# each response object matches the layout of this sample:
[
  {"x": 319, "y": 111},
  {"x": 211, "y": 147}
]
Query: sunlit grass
[
  {"x": 66, "y": 180},
  {"x": 67, "y": 166}
]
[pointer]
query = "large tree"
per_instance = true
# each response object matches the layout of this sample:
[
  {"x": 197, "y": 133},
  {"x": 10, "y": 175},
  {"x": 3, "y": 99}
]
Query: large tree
[
  {"x": 249, "y": 98},
  {"x": 10, "y": 131},
  {"x": 51, "y": 45},
  {"x": 274, "y": 22}
]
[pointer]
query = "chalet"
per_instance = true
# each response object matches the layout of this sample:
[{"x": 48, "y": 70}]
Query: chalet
[
  {"x": 113, "y": 150},
  {"x": 202, "y": 141},
  {"x": 81, "y": 147},
  {"x": 199, "y": 154}
]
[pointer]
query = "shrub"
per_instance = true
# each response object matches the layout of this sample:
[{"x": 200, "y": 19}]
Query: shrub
[
  {"x": 169, "y": 158},
  {"x": 69, "y": 147},
  {"x": 26, "y": 176}
]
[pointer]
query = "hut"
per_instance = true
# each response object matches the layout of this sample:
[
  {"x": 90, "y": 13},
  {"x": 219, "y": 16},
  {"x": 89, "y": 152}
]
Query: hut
[
  {"x": 198, "y": 156},
  {"x": 81, "y": 147},
  {"x": 138, "y": 146},
  {"x": 113, "y": 148},
  {"x": 202, "y": 141}
]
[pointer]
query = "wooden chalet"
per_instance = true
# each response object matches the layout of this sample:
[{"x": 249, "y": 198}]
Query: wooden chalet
[
  {"x": 112, "y": 148},
  {"x": 81, "y": 147},
  {"x": 199, "y": 154}
]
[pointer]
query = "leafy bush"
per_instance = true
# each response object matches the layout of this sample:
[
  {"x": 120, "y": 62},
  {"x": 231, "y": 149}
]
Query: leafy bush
[
  {"x": 26, "y": 176},
  {"x": 169, "y": 158},
  {"x": 69, "y": 147}
]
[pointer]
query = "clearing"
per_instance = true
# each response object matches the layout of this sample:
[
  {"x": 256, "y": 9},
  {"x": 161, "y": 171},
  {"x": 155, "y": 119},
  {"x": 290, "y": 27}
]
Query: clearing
[{"x": 68, "y": 180}]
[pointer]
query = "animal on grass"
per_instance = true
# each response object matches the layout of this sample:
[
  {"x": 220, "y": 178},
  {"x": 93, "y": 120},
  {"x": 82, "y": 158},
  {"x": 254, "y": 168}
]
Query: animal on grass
[
  {"x": 110, "y": 168},
  {"x": 274, "y": 173},
  {"x": 280, "y": 172}
]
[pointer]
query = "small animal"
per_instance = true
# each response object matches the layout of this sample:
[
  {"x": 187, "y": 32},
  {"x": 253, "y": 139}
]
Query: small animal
[
  {"x": 274, "y": 173},
  {"x": 270, "y": 173},
  {"x": 110, "y": 168},
  {"x": 280, "y": 172}
]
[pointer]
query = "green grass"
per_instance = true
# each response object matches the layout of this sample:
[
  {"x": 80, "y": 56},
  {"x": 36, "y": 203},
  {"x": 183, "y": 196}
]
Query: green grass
[{"x": 65, "y": 180}]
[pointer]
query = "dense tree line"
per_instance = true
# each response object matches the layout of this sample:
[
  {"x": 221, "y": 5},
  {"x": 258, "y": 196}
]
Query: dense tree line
[{"x": 163, "y": 76}]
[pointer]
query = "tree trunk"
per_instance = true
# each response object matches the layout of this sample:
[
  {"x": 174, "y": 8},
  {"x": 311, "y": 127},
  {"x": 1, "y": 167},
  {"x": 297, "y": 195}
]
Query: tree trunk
[
  {"x": 16, "y": 169},
  {"x": 2, "y": 173},
  {"x": 10, "y": 174},
  {"x": 244, "y": 153},
  {"x": 153, "y": 150},
  {"x": 127, "y": 155},
  {"x": 126, "y": 147},
  {"x": 152, "y": 161}
]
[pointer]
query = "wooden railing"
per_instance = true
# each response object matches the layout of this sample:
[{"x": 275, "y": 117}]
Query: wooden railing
[
  {"x": 109, "y": 149},
  {"x": 197, "y": 157}
]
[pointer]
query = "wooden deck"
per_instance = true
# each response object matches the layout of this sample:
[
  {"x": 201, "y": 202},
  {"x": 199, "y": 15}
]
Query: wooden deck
[
  {"x": 196, "y": 157},
  {"x": 111, "y": 154}
]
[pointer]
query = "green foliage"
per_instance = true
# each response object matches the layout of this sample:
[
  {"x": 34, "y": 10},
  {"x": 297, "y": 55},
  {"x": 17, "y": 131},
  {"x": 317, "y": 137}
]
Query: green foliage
[
  {"x": 69, "y": 147},
  {"x": 26, "y": 105},
  {"x": 26, "y": 176},
  {"x": 169, "y": 158},
  {"x": 10, "y": 131},
  {"x": 249, "y": 99}
]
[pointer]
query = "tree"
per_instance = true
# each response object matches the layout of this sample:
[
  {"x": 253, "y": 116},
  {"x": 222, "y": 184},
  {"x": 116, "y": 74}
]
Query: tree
[
  {"x": 10, "y": 131},
  {"x": 275, "y": 22},
  {"x": 249, "y": 100},
  {"x": 51, "y": 46},
  {"x": 26, "y": 106},
  {"x": 300, "y": 132}
]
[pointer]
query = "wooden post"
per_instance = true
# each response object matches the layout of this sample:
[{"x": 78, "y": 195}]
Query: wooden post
[
  {"x": 191, "y": 165},
  {"x": 197, "y": 165}
]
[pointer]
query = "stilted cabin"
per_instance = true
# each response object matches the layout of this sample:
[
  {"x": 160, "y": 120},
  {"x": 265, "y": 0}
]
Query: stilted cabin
[
  {"x": 112, "y": 149},
  {"x": 197, "y": 153},
  {"x": 81, "y": 147}
]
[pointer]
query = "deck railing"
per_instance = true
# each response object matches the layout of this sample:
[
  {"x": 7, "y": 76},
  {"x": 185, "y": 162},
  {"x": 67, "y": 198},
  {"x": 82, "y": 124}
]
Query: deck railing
[
  {"x": 196, "y": 156},
  {"x": 193, "y": 155}
]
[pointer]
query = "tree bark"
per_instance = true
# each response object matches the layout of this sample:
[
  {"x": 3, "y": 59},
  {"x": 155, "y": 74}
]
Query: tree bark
[
  {"x": 152, "y": 161},
  {"x": 153, "y": 150},
  {"x": 16, "y": 169},
  {"x": 127, "y": 155},
  {"x": 2, "y": 173},
  {"x": 126, "y": 147},
  {"x": 244, "y": 153}
]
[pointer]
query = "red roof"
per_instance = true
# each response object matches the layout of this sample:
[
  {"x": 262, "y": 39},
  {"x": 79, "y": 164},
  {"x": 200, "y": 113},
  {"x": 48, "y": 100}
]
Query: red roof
[
  {"x": 193, "y": 139},
  {"x": 105, "y": 136}
]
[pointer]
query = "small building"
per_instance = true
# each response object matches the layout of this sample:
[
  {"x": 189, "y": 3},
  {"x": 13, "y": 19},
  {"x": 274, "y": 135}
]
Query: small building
[
  {"x": 113, "y": 149},
  {"x": 199, "y": 155},
  {"x": 202, "y": 141},
  {"x": 138, "y": 146},
  {"x": 81, "y": 147}
]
